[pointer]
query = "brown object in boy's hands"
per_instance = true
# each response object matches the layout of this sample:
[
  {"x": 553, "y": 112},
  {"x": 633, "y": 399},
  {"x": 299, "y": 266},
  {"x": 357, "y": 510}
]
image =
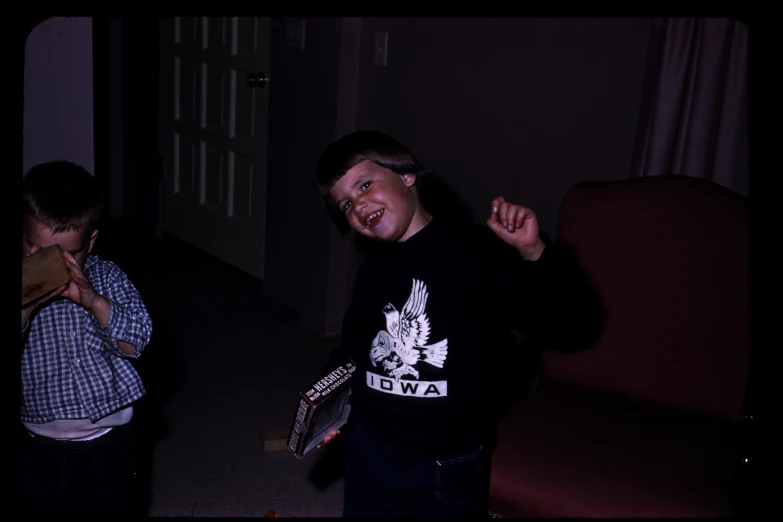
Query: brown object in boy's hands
[{"x": 43, "y": 272}]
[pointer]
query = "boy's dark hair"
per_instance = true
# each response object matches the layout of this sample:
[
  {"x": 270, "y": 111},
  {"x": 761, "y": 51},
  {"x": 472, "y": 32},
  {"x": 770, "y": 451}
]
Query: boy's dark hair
[
  {"x": 350, "y": 150},
  {"x": 62, "y": 196}
]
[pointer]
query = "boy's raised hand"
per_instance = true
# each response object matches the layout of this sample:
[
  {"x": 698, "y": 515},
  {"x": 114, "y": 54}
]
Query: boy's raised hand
[
  {"x": 517, "y": 226},
  {"x": 80, "y": 290}
]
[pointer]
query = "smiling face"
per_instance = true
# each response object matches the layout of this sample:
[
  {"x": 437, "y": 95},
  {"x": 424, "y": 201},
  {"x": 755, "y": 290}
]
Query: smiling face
[
  {"x": 77, "y": 242},
  {"x": 378, "y": 203}
]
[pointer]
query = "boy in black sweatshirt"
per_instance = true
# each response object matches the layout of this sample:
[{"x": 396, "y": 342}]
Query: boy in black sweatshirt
[{"x": 430, "y": 327}]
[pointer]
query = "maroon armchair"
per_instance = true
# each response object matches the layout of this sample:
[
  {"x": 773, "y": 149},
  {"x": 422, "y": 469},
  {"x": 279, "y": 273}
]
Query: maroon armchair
[{"x": 645, "y": 421}]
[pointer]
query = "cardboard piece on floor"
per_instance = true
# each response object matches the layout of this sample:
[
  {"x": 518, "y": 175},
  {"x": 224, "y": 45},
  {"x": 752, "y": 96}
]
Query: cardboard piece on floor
[{"x": 274, "y": 440}]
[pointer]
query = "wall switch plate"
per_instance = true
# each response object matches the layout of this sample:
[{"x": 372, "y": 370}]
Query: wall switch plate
[
  {"x": 295, "y": 33},
  {"x": 380, "y": 49}
]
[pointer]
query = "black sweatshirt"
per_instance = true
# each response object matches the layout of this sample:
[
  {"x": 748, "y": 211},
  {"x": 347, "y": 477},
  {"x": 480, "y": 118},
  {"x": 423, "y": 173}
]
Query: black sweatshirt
[{"x": 430, "y": 330}]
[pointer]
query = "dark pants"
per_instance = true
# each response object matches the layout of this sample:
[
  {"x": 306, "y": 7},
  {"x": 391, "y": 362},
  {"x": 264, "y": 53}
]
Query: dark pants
[
  {"x": 87, "y": 478},
  {"x": 385, "y": 481}
]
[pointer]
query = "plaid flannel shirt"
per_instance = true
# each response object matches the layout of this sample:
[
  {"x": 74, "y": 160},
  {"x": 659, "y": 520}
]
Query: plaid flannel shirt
[{"x": 72, "y": 367}]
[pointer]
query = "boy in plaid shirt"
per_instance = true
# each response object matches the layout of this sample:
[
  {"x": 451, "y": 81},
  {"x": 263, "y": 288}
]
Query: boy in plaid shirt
[{"x": 78, "y": 383}]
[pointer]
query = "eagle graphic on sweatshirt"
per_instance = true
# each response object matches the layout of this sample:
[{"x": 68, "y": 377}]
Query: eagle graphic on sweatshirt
[{"x": 403, "y": 344}]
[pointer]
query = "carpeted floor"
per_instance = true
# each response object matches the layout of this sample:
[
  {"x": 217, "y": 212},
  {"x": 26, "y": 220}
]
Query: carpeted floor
[{"x": 224, "y": 364}]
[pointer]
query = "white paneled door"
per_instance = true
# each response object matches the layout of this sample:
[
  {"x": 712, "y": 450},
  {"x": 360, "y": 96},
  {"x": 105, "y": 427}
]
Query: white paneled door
[{"x": 214, "y": 135}]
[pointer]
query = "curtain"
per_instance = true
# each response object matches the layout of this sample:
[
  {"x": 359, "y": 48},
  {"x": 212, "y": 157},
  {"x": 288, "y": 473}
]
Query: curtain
[{"x": 694, "y": 113}]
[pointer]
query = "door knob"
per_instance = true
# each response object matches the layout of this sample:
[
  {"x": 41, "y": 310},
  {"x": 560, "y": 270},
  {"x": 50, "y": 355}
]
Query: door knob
[{"x": 257, "y": 80}]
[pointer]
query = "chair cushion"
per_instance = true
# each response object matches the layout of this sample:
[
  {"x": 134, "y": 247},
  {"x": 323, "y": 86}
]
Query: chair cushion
[{"x": 570, "y": 451}]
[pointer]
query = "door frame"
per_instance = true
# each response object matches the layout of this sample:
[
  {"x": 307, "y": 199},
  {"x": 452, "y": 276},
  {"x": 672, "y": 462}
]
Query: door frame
[
  {"x": 126, "y": 55},
  {"x": 23, "y": 26}
]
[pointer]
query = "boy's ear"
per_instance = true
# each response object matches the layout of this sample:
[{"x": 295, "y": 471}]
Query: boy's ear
[
  {"x": 409, "y": 179},
  {"x": 93, "y": 237}
]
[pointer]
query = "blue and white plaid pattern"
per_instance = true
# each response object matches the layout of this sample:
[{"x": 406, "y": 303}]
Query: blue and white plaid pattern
[{"x": 73, "y": 368}]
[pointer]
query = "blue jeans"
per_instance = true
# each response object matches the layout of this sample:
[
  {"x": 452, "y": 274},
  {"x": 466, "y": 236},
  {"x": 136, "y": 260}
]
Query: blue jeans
[
  {"x": 385, "y": 481},
  {"x": 95, "y": 477}
]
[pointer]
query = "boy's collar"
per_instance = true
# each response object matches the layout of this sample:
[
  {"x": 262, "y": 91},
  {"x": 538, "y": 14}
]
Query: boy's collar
[
  {"x": 422, "y": 232},
  {"x": 91, "y": 260}
]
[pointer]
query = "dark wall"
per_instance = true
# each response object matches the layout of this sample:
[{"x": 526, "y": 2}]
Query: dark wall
[{"x": 520, "y": 107}]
